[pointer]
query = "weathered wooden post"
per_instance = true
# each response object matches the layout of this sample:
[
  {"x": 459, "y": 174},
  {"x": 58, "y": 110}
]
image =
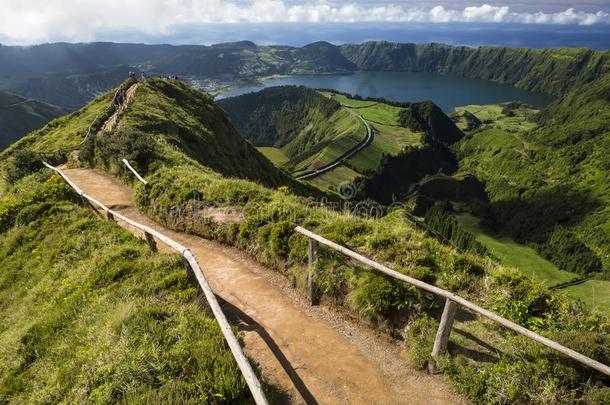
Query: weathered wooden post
[
  {"x": 152, "y": 244},
  {"x": 190, "y": 273},
  {"x": 312, "y": 294},
  {"x": 443, "y": 332},
  {"x": 86, "y": 203}
]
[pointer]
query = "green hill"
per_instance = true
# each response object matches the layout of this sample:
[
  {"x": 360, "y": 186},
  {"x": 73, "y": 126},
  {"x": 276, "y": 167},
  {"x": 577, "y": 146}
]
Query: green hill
[
  {"x": 314, "y": 128},
  {"x": 164, "y": 118},
  {"x": 309, "y": 128},
  {"x": 163, "y": 131},
  {"x": 547, "y": 174},
  {"x": 18, "y": 116},
  {"x": 90, "y": 315}
]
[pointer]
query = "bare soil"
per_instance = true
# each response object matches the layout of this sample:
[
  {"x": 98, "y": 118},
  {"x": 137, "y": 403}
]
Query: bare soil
[{"x": 309, "y": 354}]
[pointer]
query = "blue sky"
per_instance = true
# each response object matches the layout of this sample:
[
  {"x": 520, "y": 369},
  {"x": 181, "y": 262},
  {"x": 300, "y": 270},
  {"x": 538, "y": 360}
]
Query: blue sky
[{"x": 38, "y": 21}]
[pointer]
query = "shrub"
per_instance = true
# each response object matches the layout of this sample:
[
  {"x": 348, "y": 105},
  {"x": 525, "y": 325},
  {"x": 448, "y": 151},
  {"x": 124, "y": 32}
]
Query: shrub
[
  {"x": 421, "y": 335},
  {"x": 377, "y": 297},
  {"x": 136, "y": 146},
  {"x": 23, "y": 162},
  {"x": 565, "y": 250}
]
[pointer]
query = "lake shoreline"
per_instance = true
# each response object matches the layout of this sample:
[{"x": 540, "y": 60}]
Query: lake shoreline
[{"x": 447, "y": 91}]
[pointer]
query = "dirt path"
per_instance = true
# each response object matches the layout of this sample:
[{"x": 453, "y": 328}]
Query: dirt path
[
  {"x": 368, "y": 138},
  {"x": 111, "y": 122},
  {"x": 311, "y": 354}
]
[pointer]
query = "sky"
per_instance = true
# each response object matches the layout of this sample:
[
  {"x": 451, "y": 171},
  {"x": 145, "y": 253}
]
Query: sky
[{"x": 40, "y": 21}]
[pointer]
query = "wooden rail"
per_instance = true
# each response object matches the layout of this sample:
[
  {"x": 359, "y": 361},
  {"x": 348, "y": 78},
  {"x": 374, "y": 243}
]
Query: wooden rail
[
  {"x": 452, "y": 301},
  {"x": 193, "y": 268},
  {"x": 126, "y": 163}
]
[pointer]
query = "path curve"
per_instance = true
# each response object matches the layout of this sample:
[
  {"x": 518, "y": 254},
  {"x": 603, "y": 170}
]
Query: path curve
[
  {"x": 341, "y": 159},
  {"x": 309, "y": 353}
]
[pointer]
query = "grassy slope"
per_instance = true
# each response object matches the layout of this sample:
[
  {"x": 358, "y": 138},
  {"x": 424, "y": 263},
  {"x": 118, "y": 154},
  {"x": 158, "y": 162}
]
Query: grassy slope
[
  {"x": 19, "y": 116},
  {"x": 594, "y": 293},
  {"x": 553, "y": 71},
  {"x": 275, "y": 155},
  {"x": 310, "y": 128},
  {"x": 513, "y": 254},
  {"x": 567, "y": 152},
  {"x": 389, "y": 137},
  {"x": 177, "y": 181},
  {"x": 341, "y": 132},
  {"x": 560, "y": 160},
  {"x": 318, "y": 138},
  {"x": 90, "y": 315},
  {"x": 183, "y": 119}
]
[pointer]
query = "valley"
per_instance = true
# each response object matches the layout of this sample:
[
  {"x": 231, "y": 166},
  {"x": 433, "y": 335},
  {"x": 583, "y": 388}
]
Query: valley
[
  {"x": 18, "y": 116},
  {"x": 492, "y": 191}
]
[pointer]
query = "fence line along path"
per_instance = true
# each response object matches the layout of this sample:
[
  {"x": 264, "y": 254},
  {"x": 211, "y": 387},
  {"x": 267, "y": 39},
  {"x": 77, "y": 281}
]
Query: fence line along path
[
  {"x": 194, "y": 270},
  {"x": 452, "y": 301},
  {"x": 310, "y": 355}
]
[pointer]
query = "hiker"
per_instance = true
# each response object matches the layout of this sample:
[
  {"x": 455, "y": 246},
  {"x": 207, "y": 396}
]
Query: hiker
[
  {"x": 118, "y": 99},
  {"x": 143, "y": 77}
]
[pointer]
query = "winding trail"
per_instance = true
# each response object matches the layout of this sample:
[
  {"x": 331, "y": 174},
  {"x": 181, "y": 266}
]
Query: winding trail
[
  {"x": 341, "y": 159},
  {"x": 114, "y": 118},
  {"x": 310, "y": 354}
]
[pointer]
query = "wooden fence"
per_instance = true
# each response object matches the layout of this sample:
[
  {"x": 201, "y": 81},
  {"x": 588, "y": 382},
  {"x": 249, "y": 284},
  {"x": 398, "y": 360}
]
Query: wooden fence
[
  {"x": 452, "y": 302},
  {"x": 193, "y": 269}
]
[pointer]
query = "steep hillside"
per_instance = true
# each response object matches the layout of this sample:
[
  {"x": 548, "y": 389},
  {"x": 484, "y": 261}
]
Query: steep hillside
[
  {"x": 162, "y": 131},
  {"x": 309, "y": 128},
  {"x": 277, "y": 115},
  {"x": 313, "y": 129},
  {"x": 547, "y": 176},
  {"x": 90, "y": 315},
  {"x": 398, "y": 172},
  {"x": 553, "y": 71},
  {"x": 182, "y": 120},
  {"x": 167, "y": 120},
  {"x": 18, "y": 116}
]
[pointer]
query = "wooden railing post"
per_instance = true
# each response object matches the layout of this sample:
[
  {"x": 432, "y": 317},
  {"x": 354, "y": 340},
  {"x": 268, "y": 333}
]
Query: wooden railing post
[
  {"x": 190, "y": 274},
  {"x": 443, "y": 332},
  {"x": 312, "y": 293},
  {"x": 151, "y": 242},
  {"x": 86, "y": 203}
]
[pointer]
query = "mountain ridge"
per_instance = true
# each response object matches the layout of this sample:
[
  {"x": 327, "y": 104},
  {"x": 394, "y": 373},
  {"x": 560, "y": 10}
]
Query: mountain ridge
[{"x": 554, "y": 71}]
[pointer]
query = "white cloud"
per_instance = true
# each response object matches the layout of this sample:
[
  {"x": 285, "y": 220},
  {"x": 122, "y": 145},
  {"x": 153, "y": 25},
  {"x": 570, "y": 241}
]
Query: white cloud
[{"x": 35, "y": 21}]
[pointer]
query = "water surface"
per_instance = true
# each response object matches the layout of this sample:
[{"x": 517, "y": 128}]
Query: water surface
[{"x": 447, "y": 91}]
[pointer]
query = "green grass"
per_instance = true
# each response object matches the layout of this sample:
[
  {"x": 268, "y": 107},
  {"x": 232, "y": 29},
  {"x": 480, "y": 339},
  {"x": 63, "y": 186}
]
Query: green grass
[
  {"x": 336, "y": 177},
  {"x": 347, "y": 132},
  {"x": 594, "y": 293},
  {"x": 515, "y": 255},
  {"x": 66, "y": 132},
  {"x": 90, "y": 315},
  {"x": 178, "y": 182},
  {"x": 389, "y": 137},
  {"x": 275, "y": 155},
  {"x": 492, "y": 115}
]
